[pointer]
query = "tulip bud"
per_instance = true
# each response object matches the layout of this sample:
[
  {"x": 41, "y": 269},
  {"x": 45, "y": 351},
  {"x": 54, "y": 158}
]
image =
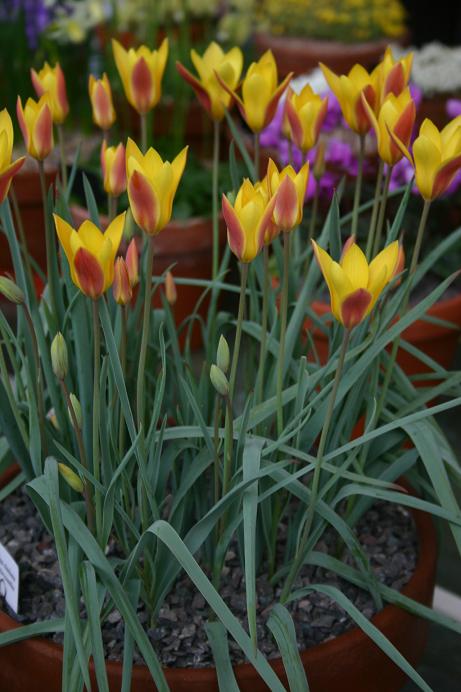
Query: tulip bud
[
  {"x": 223, "y": 355},
  {"x": 71, "y": 477},
  {"x": 170, "y": 288},
  {"x": 11, "y": 291},
  {"x": 132, "y": 263},
  {"x": 74, "y": 402},
  {"x": 219, "y": 381},
  {"x": 59, "y": 360},
  {"x": 121, "y": 287},
  {"x": 113, "y": 169},
  {"x": 101, "y": 102}
]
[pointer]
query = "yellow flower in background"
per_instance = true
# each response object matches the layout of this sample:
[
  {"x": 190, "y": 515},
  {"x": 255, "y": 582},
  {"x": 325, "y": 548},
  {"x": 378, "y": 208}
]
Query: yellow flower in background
[
  {"x": 101, "y": 101},
  {"x": 247, "y": 220},
  {"x": 36, "y": 123},
  {"x": 306, "y": 113},
  {"x": 91, "y": 253},
  {"x": 355, "y": 285},
  {"x": 8, "y": 168},
  {"x": 397, "y": 116},
  {"x": 213, "y": 97},
  {"x": 260, "y": 92},
  {"x": 348, "y": 89},
  {"x": 141, "y": 71},
  {"x": 50, "y": 80},
  {"x": 152, "y": 185},
  {"x": 436, "y": 156},
  {"x": 289, "y": 189}
]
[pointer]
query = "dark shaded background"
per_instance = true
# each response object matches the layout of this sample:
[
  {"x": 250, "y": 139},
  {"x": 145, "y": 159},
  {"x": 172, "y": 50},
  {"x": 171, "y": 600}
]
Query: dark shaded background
[{"x": 434, "y": 21}]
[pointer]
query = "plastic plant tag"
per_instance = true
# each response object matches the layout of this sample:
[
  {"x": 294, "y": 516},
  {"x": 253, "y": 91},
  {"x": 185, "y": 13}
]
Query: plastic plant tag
[{"x": 9, "y": 579}]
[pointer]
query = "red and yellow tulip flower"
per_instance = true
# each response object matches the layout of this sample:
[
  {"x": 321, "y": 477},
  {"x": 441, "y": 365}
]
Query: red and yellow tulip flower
[
  {"x": 101, "y": 102},
  {"x": 348, "y": 89},
  {"x": 272, "y": 230},
  {"x": 113, "y": 165},
  {"x": 141, "y": 71},
  {"x": 132, "y": 263},
  {"x": 91, "y": 253},
  {"x": 247, "y": 220},
  {"x": 121, "y": 288},
  {"x": 50, "y": 80},
  {"x": 397, "y": 116},
  {"x": 260, "y": 92},
  {"x": 36, "y": 123},
  {"x": 355, "y": 285},
  {"x": 152, "y": 185},
  {"x": 8, "y": 168},
  {"x": 306, "y": 113},
  {"x": 393, "y": 75},
  {"x": 289, "y": 189},
  {"x": 436, "y": 156},
  {"x": 213, "y": 97}
]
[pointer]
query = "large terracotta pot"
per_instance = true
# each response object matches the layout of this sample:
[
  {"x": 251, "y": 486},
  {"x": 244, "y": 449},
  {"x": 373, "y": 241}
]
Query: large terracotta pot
[
  {"x": 436, "y": 341},
  {"x": 350, "y": 662},
  {"x": 188, "y": 245}
]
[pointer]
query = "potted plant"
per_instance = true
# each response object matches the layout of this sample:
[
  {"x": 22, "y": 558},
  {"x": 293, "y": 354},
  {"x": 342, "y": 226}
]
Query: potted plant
[{"x": 185, "y": 504}]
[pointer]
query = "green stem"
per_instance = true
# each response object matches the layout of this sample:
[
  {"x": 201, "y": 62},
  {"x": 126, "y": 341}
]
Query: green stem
[
  {"x": 283, "y": 328},
  {"x": 257, "y": 155},
  {"x": 62, "y": 153},
  {"x": 215, "y": 200},
  {"x": 111, "y": 207},
  {"x": 217, "y": 415},
  {"x": 22, "y": 236},
  {"x": 313, "y": 221},
  {"x": 143, "y": 121},
  {"x": 96, "y": 413},
  {"x": 374, "y": 212},
  {"x": 228, "y": 440},
  {"x": 358, "y": 187},
  {"x": 382, "y": 211},
  {"x": 123, "y": 340},
  {"x": 238, "y": 333},
  {"x": 299, "y": 556},
  {"x": 140, "y": 399},
  {"x": 39, "y": 388},
  {"x": 49, "y": 239},
  {"x": 265, "y": 306}
]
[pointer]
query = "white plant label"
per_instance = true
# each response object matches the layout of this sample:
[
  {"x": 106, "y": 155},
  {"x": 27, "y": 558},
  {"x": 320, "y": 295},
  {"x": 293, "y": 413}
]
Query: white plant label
[{"x": 9, "y": 579}]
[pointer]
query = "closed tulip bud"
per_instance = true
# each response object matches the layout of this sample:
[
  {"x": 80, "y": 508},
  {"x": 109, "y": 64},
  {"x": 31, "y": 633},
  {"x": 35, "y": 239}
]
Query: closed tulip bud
[
  {"x": 113, "y": 169},
  {"x": 36, "y": 123},
  {"x": 11, "y": 290},
  {"x": 121, "y": 287},
  {"x": 71, "y": 478},
  {"x": 132, "y": 263},
  {"x": 219, "y": 381},
  {"x": 348, "y": 89},
  {"x": 8, "y": 169},
  {"x": 289, "y": 189},
  {"x": 59, "y": 360},
  {"x": 223, "y": 355},
  {"x": 51, "y": 81},
  {"x": 355, "y": 285},
  {"x": 306, "y": 113},
  {"x": 141, "y": 71},
  {"x": 101, "y": 102},
  {"x": 212, "y": 96},
  {"x": 396, "y": 115},
  {"x": 77, "y": 409},
  {"x": 171, "y": 293},
  {"x": 393, "y": 75},
  {"x": 152, "y": 185}
]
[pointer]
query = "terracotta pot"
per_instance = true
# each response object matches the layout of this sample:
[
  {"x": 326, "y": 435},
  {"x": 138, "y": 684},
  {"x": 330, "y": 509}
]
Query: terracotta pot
[
  {"x": 436, "y": 341},
  {"x": 350, "y": 662},
  {"x": 188, "y": 245}
]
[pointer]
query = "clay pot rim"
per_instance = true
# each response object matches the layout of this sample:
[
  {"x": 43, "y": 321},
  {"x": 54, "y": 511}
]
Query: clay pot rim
[
  {"x": 352, "y": 638},
  {"x": 321, "y": 44}
]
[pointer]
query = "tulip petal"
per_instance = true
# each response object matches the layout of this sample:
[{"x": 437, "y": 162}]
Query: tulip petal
[
  {"x": 114, "y": 231},
  {"x": 64, "y": 231},
  {"x": 7, "y": 176},
  {"x": 90, "y": 236},
  {"x": 286, "y": 204},
  {"x": 274, "y": 101},
  {"x": 235, "y": 234},
  {"x": 382, "y": 268},
  {"x": 142, "y": 86},
  {"x": 355, "y": 266},
  {"x": 42, "y": 133},
  {"x": 445, "y": 175},
  {"x": 354, "y": 308},
  {"x": 200, "y": 91},
  {"x": 427, "y": 161},
  {"x": 89, "y": 273},
  {"x": 143, "y": 203}
]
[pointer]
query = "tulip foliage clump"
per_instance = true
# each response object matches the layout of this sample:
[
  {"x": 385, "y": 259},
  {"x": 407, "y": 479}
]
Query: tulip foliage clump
[{"x": 146, "y": 459}]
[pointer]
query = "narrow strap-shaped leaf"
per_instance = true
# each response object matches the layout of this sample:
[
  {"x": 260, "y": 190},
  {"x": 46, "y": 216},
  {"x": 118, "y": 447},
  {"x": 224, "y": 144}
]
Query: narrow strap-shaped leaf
[
  {"x": 281, "y": 625},
  {"x": 37, "y": 629},
  {"x": 93, "y": 604},
  {"x": 217, "y": 638}
]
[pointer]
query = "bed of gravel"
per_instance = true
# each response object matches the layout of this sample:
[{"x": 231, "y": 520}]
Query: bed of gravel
[{"x": 386, "y": 532}]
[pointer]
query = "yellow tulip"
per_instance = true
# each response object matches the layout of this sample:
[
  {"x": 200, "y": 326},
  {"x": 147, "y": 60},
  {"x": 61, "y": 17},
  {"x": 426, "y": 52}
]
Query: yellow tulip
[
  {"x": 260, "y": 92},
  {"x": 247, "y": 220},
  {"x": 36, "y": 123},
  {"x": 397, "y": 116},
  {"x": 289, "y": 189},
  {"x": 393, "y": 75},
  {"x": 8, "y": 169},
  {"x": 152, "y": 185},
  {"x": 348, "y": 89},
  {"x": 101, "y": 101},
  {"x": 113, "y": 168},
  {"x": 306, "y": 113},
  {"x": 436, "y": 156},
  {"x": 50, "y": 80},
  {"x": 355, "y": 285},
  {"x": 213, "y": 97},
  {"x": 91, "y": 253},
  {"x": 141, "y": 71}
]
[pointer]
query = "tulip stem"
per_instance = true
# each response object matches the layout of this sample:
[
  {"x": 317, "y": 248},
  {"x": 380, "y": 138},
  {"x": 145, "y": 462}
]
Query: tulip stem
[
  {"x": 299, "y": 556},
  {"x": 62, "y": 154},
  {"x": 123, "y": 339},
  {"x": 313, "y": 221},
  {"x": 257, "y": 155},
  {"x": 283, "y": 328},
  {"x": 22, "y": 236},
  {"x": 111, "y": 207},
  {"x": 238, "y": 333},
  {"x": 215, "y": 200},
  {"x": 265, "y": 306},
  {"x": 140, "y": 402},
  {"x": 358, "y": 186},
  {"x": 374, "y": 211},
  {"x": 143, "y": 121},
  {"x": 96, "y": 413},
  {"x": 49, "y": 240},
  {"x": 38, "y": 374},
  {"x": 382, "y": 211}
]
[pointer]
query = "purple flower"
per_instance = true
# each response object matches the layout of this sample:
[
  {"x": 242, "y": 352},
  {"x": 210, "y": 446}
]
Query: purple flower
[{"x": 453, "y": 107}]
